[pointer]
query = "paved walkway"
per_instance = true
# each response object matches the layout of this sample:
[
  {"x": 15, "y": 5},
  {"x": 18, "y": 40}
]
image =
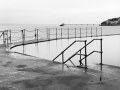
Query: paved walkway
[{"x": 20, "y": 72}]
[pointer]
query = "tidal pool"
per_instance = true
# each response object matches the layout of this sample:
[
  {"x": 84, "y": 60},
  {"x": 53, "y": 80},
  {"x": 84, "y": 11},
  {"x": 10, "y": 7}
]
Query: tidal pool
[{"x": 49, "y": 50}]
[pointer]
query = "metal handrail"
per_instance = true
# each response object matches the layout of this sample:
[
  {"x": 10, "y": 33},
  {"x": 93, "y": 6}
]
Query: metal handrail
[
  {"x": 80, "y": 49},
  {"x": 90, "y": 54},
  {"x": 68, "y": 47},
  {"x": 1, "y": 35}
]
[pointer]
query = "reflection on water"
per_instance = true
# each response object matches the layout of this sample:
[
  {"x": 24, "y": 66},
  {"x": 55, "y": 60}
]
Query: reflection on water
[{"x": 49, "y": 50}]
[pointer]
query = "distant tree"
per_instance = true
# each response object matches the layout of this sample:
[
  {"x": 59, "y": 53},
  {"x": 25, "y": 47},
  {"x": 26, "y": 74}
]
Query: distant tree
[
  {"x": 111, "y": 22},
  {"x": 118, "y": 22},
  {"x": 114, "y": 19},
  {"x": 103, "y": 23}
]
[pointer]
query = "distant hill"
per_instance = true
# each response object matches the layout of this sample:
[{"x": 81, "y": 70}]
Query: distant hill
[{"x": 111, "y": 22}]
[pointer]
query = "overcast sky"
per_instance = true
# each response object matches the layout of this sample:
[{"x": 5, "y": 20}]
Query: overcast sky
[{"x": 58, "y": 11}]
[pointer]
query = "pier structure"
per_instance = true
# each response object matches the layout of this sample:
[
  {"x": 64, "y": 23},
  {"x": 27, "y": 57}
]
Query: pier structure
[{"x": 79, "y": 24}]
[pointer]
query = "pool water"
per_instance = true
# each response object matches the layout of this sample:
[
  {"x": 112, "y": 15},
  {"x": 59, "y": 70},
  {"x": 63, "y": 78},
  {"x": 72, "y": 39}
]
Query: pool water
[{"x": 49, "y": 50}]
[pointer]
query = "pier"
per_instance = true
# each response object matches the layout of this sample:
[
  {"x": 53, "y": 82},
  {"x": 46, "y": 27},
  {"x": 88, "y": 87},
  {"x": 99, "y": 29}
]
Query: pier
[{"x": 79, "y": 24}]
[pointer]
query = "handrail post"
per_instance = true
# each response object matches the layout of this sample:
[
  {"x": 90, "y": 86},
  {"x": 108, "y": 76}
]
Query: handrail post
[
  {"x": 96, "y": 31},
  {"x": 37, "y": 35},
  {"x": 10, "y": 36},
  {"x": 86, "y": 31},
  {"x": 49, "y": 33},
  {"x": 101, "y": 31},
  {"x": 80, "y": 56},
  {"x": 75, "y": 32},
  {"x": 46, "y": 34},
  {"x": 22, "y": 36},
  {"x": 4, "y": 37},
  {"x": 85, "y": 56},
  {"x": 91, "y": 31},
  {"x": 61, "y": 33},
  {"x": 7, "y": 39},
  {"x": 68, "y": 33},
  {"x": 62, "y": 57},
  {"x": 80, "y": 32},
  {"x": 101, "y": 52},
  {"x": 56, "y": 33}
]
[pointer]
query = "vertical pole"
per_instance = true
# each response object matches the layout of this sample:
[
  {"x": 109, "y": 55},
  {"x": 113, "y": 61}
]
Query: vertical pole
[
  {"x": 46, "y": 33},
  {"x": 62, "y": 57},
  {"x": 86, "y": 31},
  {"x": 80, "y": 54},
  {"x": 75, "y": 32},
  {"x": 96, "y": 31},
  {"x": 37, "y": 35},
  {"x": 7, "y": 38},
  {"x": 62, "y": 60},
  {"x": 101, "y": 31},
  {"x": 91, "y": 31},
  {"x": 61, "y": 33},
  {"x": 68, "y": 33},
  {"x": 3, "y": 38},
  {"x": 49, "y": 33},
  {"x": 80, "y": 32},
  {"x": 10, "y": 37},
  {"x": 85, "y": 56},
  {"x": 56, "y": 33},
  {"x": 101, "y": 52},
  {"x": 22, "y": 36}
]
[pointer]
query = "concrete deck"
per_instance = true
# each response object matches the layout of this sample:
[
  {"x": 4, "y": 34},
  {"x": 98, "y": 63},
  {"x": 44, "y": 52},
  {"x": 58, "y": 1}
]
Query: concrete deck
[{"x": 20, "y": 72}]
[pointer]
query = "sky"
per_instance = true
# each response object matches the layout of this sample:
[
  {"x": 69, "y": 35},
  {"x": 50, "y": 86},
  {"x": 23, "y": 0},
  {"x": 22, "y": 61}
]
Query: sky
[{"x": 58, "y": 11}]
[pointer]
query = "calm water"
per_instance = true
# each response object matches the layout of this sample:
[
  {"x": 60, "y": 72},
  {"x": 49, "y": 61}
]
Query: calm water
[{"x": 49, "y": 50}]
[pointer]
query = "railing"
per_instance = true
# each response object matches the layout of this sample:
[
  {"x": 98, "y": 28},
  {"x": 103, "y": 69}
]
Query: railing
[
  {"x": 90, "y": 54},
  {"x": 12, "y": 38},
  {"x": 86, "y": 55},
  {"x": 1, "y": 35},
  {"x": 62, "y": 53}
]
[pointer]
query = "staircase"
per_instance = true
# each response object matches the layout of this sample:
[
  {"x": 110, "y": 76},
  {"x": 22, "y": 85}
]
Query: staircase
[{"x": 79, "y": 52}]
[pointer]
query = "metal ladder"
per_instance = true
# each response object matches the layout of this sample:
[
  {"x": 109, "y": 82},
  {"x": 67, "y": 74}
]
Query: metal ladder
[{"x": 79, "y": 52}]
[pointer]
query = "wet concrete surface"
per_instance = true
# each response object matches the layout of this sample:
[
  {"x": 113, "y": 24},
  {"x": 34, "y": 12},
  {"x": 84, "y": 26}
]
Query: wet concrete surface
[{"x": 20, "y": 72}]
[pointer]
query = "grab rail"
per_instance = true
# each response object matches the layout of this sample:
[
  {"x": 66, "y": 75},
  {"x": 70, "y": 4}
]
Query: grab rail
[
  {"x": 82, "y": 48},
  {"x": 91, "y": 53},
  {"x": 1, "y": 35},
  {"x": 67, "y": 48},
  {"x": 82, "y": 54}
]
